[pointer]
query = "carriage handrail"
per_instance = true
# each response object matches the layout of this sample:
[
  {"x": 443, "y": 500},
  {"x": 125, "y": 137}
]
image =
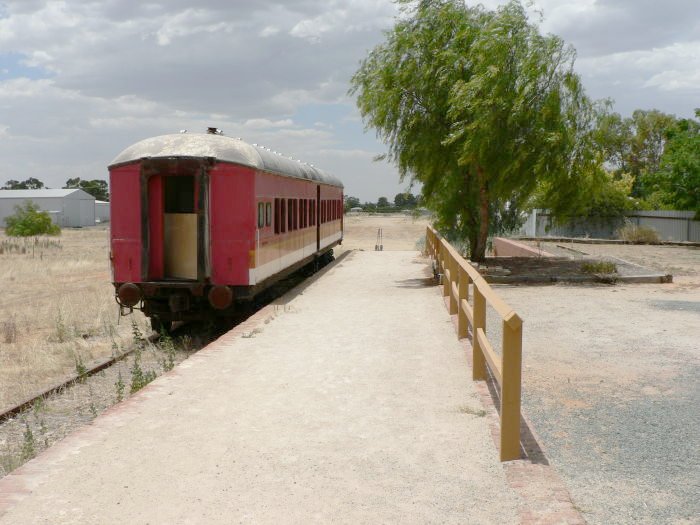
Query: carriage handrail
[{"x": 506, "y": 369}]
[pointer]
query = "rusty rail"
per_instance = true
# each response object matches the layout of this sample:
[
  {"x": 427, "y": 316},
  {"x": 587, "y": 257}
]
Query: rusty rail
[{"x": 459, "y": 277}]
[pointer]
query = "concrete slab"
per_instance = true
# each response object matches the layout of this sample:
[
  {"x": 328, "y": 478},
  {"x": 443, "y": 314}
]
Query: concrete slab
[{"x": 351, "y": 403}]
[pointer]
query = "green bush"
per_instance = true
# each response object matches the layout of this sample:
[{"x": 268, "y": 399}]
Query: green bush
[
  {"x": 599, "y": 267},
  {"x": 28, "y": 220}
]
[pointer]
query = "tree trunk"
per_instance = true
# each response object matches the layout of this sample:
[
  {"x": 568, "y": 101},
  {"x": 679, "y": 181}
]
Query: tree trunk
[{"x": 479, "y": 248}]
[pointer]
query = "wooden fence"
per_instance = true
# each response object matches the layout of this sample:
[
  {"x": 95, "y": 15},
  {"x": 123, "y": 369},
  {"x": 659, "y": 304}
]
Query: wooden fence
[{"x": 459, "y": 278}]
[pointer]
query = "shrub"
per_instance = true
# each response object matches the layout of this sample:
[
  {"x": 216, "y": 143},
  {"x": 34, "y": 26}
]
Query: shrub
[
  {"x": 638, "y": 234},
  {"x": 29, "y": 220},
  {"x": 599, "y": 267}
]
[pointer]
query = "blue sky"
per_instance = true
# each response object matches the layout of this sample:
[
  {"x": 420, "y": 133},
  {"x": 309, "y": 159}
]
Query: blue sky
[{"x": 80, "y": 81}]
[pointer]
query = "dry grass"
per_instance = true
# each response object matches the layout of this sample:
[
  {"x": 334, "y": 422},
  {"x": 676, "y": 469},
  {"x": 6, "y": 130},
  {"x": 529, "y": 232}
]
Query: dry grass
[
  {"x": 57, "y": 304},
  {"x": 631, "y": 232}
]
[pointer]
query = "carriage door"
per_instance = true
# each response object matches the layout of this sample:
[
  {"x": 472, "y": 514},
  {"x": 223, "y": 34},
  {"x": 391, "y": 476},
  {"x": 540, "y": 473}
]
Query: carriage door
[{"x": 179, "y": 227}]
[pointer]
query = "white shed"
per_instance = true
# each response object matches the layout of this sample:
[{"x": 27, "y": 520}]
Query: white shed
[
  {"x": 102, "y": 211},
  {"x": 68, "y": 207}
]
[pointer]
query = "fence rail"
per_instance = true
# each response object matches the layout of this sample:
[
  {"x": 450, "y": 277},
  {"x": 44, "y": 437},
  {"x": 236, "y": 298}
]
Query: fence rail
[{"x": 459, "y": 278}]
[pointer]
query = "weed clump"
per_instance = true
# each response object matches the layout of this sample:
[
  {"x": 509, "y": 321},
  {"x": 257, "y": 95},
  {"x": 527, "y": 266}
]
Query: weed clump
[
  {"x": 28, "y": 444},
  {"x": 167, "y": 346},
  {"x": 80, "y": 368},
  {"x": 9, "y": 331},
  {"x": 119, "y": 386},
  {"x": 633, "y": 233},
  {"x": 599, "y": 267},
  {"x": 139, "y": 377}
]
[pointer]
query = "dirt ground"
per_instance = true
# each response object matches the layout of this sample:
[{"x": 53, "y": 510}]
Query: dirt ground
[
  {"x": 612, "y": 383},
  {"x": 680, "y": 261},
  {"x": 399, "y": 232}
]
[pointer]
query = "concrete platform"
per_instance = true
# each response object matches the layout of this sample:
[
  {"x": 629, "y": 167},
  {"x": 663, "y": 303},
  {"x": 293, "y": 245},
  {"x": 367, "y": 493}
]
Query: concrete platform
[{"x": 349, "y": 401}]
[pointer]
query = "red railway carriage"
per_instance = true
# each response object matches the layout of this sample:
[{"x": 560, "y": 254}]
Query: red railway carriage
[{"x": 202, "y": 221}]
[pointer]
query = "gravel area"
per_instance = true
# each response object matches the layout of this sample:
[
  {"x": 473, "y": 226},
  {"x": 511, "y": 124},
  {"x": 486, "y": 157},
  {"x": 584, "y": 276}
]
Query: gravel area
[
  {"x": 676, "y": 260},
  {"x": 611, "y": 382}
]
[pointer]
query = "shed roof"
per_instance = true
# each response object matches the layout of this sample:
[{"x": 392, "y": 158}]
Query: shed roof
[
  {"x": 224, "y": 149},
  {"x": 44, "y": 193}
]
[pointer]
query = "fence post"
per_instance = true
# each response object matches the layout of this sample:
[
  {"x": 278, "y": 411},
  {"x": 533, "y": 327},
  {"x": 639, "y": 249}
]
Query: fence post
[
  {"x": 446, "y": 270},
  {"x": 454, "y": 277},
  {"x": 510, "y": 387},
  {"x": 463, "y": 288},
  {"x": 478, "y": 361}
]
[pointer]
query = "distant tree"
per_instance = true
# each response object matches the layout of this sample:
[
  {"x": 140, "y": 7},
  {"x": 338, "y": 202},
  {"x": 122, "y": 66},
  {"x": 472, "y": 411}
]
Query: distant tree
[
  {"x": 96, "y": 187},
  {"x": 28, "y": 220},
  {"x": 382, "y": 202},
  {"x": 14, "y": 185},
  {"x": 482, "y": 109},
  {"x": 30, "y": 184},
  {"x": 369, "y": 206},
  {"x": 351, "y": 202},
  {"x": 676, "y": 183},
  {"x": 635, "y": 145},
  {"x": 405, "y": 200},
  {"x": 33, "y": 184}
]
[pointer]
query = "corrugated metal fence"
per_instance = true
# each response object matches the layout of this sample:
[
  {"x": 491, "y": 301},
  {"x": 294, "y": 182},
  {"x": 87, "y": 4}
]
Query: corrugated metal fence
[{"x": 670, "y": 225}]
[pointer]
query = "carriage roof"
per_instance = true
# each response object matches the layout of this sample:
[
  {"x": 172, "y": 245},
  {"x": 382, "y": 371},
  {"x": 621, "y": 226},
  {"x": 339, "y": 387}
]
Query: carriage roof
[{"x": 223, "y": 149}]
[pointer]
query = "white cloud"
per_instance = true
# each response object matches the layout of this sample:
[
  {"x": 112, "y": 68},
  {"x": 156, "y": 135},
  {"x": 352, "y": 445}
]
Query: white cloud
[
  {"x": 121, "y": 70},
  {"x": 263, "y": 123}
]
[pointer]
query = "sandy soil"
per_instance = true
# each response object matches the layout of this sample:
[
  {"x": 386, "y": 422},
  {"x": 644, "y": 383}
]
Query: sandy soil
[{"x": 399, "y": 232}]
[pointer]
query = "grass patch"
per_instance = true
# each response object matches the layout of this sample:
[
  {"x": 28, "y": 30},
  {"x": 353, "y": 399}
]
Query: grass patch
[
  {"x": 599, "y": 267},
  {"x": 472, "y": 411}
]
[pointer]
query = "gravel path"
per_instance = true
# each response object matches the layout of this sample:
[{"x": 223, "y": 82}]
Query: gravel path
[{"x": 612, "y": 383}]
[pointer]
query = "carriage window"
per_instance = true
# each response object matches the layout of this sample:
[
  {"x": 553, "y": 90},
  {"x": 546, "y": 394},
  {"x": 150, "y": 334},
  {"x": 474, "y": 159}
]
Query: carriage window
[
  {"x": 261, "y": 215},
  {"x": 283, "y": 215},
  {"x": 312, "y": 216},
  {"x": 179, "y": 194},
  {"x": 304, "y": 213},
  {"x": 296, "y": 213},
  {"x": 277, "y": 215},
  {"x": 290, "y": 212},
  {"x": 268, "y": 214}
]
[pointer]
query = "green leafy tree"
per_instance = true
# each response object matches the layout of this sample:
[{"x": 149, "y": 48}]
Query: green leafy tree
[
  {"x": 13, "y": 185},
  {"x": 382, "y": 202},
  {"x": 676, "y": 183},
  {"x": 98, "y": 188},
  {"x": 634, "y": 145},
  {"x": 28, "y": 220},
  {"x": 405, "y": 200},
  {"x": 30, "y": 184},
  {"x": 33, "y": 184},
  {"x": 351, "y": 202},
  {"x": 482, "y": 110}
]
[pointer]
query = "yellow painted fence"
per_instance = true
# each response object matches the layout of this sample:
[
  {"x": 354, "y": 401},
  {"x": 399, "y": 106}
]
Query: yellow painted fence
[{"x": 459, "y": 278}]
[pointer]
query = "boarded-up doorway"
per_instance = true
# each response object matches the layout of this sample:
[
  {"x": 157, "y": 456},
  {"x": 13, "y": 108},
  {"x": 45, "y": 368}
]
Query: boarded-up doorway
[{"x": 180, "y": 227}]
